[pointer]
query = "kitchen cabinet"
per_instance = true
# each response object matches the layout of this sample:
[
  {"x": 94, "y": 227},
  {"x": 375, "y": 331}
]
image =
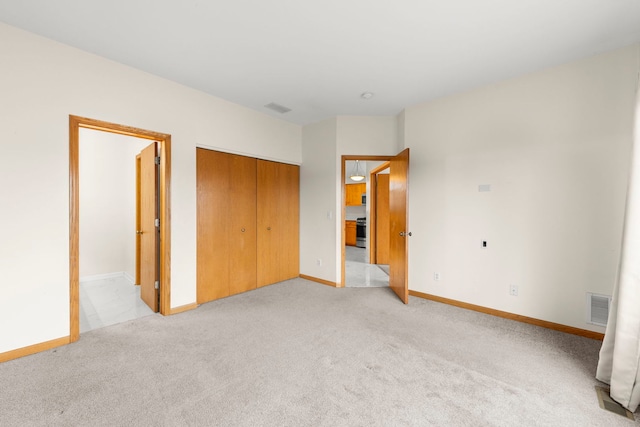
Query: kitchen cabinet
[
  {"x": 354, "y": 194},
  {"x": 350, "y": 233},
  {"x": 234, "y": 200}
]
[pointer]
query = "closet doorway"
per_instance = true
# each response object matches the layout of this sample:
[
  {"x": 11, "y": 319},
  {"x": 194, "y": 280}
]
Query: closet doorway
[{"x": 157, "y": 252}]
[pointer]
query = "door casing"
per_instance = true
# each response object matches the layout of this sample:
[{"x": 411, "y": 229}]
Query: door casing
[{"x": 164, "y": 140}]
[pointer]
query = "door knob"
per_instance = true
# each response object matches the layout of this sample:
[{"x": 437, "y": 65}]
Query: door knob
[
  {"x": 269, "y": 228},
  {"x": 242, "y": 229},
  {"x": 138, "y": 231}
]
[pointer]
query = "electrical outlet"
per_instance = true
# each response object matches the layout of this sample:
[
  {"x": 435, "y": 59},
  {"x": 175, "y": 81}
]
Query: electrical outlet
[
  {"x": 436, "y": 276},
  {"x": 513, "y": 290},
  {"x": 319, "y": 262}
]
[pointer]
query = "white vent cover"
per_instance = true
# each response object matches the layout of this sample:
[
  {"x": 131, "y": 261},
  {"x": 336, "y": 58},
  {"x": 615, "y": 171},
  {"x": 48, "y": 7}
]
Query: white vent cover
[
  {"x": 598, "y": 309},
  {"x": 277, "y": 107}
]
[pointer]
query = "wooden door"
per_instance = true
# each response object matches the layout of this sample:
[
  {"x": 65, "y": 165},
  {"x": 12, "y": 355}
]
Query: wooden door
[
  {"x": 398, "y": 223},
  {"x": 148, "y": 232},
  {"x": 278, "y": 196},
  {"x": 382, "y": 218},
  {"x": 212, "y": 223},
  {"x": 241, "y": 233},
  {"x": 226, "y": 224}
]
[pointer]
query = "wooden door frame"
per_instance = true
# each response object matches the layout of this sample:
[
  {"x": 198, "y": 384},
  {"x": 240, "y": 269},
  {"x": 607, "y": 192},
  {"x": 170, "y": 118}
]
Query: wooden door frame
[
  {"x": 75, "y": 123},
  {"x": 138, "y": 220},
  {"x": 343, "y": 199},
  {"x": 373, "y": 196}
]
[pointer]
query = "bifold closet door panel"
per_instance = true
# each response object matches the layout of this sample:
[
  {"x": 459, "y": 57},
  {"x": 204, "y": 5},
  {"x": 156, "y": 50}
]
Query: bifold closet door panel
[
  {"x": 242, "y": 224},
  {"x": 212, "y": 264},
  {"x": 278, "y": 195}
]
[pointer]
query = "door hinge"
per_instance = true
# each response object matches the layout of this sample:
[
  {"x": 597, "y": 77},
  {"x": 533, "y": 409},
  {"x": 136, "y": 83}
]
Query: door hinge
[
  {"x": 157, "y": 222},
  {"x": 156, "y": 284},
  {"x": 157, "y": 160}
]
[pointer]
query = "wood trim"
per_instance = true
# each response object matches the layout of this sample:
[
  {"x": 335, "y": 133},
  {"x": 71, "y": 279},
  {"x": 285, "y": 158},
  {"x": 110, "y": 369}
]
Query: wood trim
[
  {"x": 165, "y": 225},
  {"x": 380, "y": 168},
  {"x": 136, "y": 280},
  {"x": 183, "y": 308},
  {"x": 506, "y": 315},
  {"x": 74, "y": 229},
  {"x": 75, "y": 123},
  {"x": 373, "y": 211},
  {"x": 100, "y": 125},
  {"x": 343, "y": 215},
  {"x": 32, "y": 349},
  {"x": 372, "y": 224},
  {"x": 360, "y": 157},
  {"x": 315, "y": 279}
]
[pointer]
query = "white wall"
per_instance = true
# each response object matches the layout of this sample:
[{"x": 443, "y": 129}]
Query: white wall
[
  {"x": 317, "y": 200},
  {"x": 359, "y": 135},
  {"x": 42, "y": 83},
  {"x": 107, "y": 165},
  {"x": 368, "y": 135},
  {"x": 555, "y": 147},
  {"x": 323, "y": 145}
]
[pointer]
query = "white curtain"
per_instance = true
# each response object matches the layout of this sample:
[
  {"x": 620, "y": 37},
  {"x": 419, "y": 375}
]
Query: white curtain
[{"x": 619, "y": 364}]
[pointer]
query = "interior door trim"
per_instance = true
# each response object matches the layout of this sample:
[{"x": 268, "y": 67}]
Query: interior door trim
[{"x": 75, "y": 123}]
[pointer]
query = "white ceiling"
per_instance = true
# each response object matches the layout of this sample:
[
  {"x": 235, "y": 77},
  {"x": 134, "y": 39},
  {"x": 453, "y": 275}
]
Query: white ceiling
[{"x": 317, "y": 57}]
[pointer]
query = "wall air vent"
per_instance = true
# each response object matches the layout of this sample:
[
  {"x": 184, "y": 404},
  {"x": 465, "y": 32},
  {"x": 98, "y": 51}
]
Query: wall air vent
[
  {"x": 598, "y": 309},
  {"x": 277, "y": 108}
]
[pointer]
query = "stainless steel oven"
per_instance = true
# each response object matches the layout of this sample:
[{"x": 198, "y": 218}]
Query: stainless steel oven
[{"x": 361, "y": 232}]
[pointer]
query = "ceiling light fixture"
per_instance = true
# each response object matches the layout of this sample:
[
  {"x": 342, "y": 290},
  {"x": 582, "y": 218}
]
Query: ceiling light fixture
[
  {"x": 366, "y": 95},
  {"x": 356, "y": 175}
]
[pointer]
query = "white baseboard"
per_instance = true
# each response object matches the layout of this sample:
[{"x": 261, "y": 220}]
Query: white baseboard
[
  {"x": 117, "y": 274},
  {"x": 129, "y": 277}
]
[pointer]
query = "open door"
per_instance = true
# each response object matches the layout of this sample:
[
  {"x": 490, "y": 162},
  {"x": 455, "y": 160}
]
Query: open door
[
  {"x": 148, "y": 230},
  {"x": 398, "y": 222}
]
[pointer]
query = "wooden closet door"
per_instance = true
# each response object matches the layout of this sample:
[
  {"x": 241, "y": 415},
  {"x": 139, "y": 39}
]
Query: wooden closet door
[
  {"x": 242, "y": 224},
  {"x": 226, "y": 224},
  {"x": 278, "y": 222},
  {"x": 212, "y": 265}
]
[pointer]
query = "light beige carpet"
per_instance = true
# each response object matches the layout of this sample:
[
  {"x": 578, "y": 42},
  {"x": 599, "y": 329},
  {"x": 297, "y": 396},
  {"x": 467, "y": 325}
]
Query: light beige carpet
[{"x": 303, "y": 354}]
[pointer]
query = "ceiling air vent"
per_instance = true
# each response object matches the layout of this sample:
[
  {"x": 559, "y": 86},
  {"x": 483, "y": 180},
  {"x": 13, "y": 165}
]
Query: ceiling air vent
[
  {"x": 598, "y": 309},
  {"x": 278, "y": 108}
]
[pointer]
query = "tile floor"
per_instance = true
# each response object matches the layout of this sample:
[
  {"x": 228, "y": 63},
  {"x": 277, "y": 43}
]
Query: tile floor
[
  {"x": 109, "y": 301},
  {"x": 359, "y": 273}
]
